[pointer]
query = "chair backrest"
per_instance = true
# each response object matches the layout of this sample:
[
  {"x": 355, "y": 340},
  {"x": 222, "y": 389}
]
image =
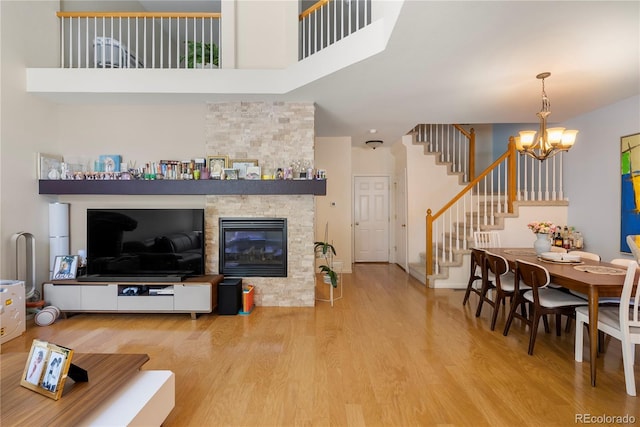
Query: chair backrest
[
  {"x": 533, "y": 275},
  {"x": 635, "y": 250},
  {"x": 625, "y": 300},
  {"x": 586, "y": 255},
  {"x": 497, "y": 264},
  {"x": 486, "y": 239}
]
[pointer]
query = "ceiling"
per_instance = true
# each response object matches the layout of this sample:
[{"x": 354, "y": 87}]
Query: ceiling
[{"x": 475, "y": 62}]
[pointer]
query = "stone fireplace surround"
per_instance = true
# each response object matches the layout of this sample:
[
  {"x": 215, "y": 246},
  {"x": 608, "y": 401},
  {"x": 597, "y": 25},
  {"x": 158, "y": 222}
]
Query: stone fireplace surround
[{"x": 276, "y": 134}]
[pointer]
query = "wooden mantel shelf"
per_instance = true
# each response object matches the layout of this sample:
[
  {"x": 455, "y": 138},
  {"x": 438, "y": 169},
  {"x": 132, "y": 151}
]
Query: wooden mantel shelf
[{"x": 184, "y": 187}]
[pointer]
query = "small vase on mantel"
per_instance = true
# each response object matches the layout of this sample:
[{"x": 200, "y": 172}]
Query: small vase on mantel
[{"x": 542, "y": 243}]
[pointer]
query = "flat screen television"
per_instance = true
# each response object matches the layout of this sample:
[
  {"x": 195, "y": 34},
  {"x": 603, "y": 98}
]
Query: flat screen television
[{"x": 163, "y": 245}]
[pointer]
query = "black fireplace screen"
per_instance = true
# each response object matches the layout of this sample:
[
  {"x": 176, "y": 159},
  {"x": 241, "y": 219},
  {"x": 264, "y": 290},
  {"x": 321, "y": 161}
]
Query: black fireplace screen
[{"x": 253, "y": 247}]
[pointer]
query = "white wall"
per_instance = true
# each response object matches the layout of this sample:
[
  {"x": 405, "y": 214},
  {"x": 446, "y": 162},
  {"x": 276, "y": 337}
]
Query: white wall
[
  {"x": 424, "y": 178},
  {"x": 592, "y": 174},
  {"x": 29, "y": 126},
  {"x": 266, "y": 34},
  {"x": 334, "y": 155}
]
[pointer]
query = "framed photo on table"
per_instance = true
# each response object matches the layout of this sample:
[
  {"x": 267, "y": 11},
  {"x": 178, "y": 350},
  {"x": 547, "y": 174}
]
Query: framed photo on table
[
  {"x": 65, "y": 267},
  {"x": 216, "y": 165},
  {"x": 46, "y": 369},
  {"x": 241, "y": 166}
]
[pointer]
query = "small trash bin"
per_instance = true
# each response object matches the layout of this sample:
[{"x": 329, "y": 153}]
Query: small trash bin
[{"x": 229, "y": 296}]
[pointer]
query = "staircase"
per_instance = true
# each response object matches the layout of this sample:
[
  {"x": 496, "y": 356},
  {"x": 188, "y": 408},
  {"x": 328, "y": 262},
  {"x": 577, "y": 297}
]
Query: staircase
[{"x": 511, "y": 183}]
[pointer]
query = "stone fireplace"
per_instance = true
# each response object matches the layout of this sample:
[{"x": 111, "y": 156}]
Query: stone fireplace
[{"x": 276, "y": 134}]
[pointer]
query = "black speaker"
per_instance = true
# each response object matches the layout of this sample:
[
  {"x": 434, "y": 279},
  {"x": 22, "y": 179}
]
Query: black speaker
[{"x": 229, "y": 296}]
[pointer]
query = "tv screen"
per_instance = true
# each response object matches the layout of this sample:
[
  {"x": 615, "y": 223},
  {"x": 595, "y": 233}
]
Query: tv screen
[{"x": 145, "y": 244}]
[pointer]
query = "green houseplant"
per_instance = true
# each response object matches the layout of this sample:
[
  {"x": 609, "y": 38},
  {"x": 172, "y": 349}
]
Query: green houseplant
[
  {"x": 200, "y": 53},
  {"x": 327, "y": 252}
]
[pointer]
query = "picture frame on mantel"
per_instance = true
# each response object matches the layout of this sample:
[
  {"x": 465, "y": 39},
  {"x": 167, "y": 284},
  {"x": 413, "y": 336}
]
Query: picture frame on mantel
[
  {"x": 217, "y": 165},
  {"x": 241, "y": 166},
  {"x": 49, "y": 166}
]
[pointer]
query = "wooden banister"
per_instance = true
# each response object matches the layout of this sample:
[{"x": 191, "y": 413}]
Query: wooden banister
[
  {"x": 213, "y": 15},
  {"x": 312, "y": 9},
  {"x": 471, "y": 184}
]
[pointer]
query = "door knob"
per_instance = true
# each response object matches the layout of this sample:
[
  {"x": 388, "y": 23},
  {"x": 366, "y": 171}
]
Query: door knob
[
  {"x": 404, "y": 225},
  {"x": 357, "y": 223}
]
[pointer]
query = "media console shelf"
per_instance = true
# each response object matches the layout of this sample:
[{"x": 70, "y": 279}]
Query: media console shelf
[
  {"x": 193, "y": 295},
  {"x": 179, "y": 187}
]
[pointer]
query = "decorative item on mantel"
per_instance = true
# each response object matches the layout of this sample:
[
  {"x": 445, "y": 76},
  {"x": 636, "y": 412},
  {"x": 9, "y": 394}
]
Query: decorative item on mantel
[{"x": 543, "y": 230}]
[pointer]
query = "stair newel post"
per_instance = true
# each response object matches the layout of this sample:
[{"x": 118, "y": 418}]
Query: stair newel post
[
  {"x": 429, "y": 248},
  {"x": 472, "y": 154},
  {"x": 511, "y": 173}
]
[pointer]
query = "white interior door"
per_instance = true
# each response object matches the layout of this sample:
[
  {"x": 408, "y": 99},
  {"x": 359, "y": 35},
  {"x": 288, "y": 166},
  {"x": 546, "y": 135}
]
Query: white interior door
[
  {"x": 371, "y": 216},
  {"x": 400, "y": 220}
]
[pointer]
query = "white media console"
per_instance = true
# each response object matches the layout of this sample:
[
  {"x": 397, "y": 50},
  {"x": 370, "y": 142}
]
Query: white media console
[{"x": 193, "y": 295}]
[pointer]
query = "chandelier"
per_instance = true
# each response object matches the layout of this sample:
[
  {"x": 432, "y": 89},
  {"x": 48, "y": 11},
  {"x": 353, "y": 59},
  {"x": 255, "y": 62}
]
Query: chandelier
[{"x": 549, "y": 141}]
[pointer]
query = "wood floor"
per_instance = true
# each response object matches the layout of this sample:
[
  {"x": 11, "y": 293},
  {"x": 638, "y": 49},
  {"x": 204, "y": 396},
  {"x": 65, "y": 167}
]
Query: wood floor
[{"x": 390, "y": 353}]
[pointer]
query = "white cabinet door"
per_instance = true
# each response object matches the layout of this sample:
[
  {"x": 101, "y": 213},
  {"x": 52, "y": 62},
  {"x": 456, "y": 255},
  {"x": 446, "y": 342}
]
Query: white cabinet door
[
  {"x": 65, "y": 297},
  {"x": 192, "y": 297},
  {"x": 99, "y": 297}
]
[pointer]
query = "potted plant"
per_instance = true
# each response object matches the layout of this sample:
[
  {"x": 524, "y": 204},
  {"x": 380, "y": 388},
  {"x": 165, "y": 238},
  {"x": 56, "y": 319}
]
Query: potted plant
[
  {"x": 200, "y": 54},
  {"x": 327, "y": 251}
]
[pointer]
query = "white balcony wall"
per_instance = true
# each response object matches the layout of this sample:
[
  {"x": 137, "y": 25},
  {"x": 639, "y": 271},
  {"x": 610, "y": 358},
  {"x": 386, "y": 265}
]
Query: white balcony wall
[{"x": 267, "y": 30}]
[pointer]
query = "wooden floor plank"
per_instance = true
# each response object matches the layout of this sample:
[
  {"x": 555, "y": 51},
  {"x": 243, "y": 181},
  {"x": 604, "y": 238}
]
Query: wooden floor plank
[{"x": 390, "y": 353}]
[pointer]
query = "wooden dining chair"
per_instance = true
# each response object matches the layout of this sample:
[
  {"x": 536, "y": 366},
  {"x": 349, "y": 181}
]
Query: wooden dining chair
[
  {"x": 479, "y": 280},
  {"x": 621, "y": 322},
  {"x": 504, "y": 284},
  {"x": 542, "y": 299}
]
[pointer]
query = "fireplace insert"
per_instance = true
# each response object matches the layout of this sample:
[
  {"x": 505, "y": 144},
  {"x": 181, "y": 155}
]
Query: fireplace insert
[{"x": 253, "y": 247}]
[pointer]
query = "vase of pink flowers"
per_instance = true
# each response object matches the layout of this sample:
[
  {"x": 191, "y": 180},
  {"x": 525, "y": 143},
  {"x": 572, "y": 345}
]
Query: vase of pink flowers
[{"x": 543, "y": 231}]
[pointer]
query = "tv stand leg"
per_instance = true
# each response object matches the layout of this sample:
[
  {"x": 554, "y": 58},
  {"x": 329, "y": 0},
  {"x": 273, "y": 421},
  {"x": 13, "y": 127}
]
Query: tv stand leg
[{"x": 194, "y": 316}]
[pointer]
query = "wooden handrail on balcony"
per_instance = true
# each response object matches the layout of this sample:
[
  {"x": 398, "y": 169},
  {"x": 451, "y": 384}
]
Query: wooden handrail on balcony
[
  {"x": 214, "y": 15},
  {"x": 317, "y": 5},
  {"x": 510, "y": 156}
]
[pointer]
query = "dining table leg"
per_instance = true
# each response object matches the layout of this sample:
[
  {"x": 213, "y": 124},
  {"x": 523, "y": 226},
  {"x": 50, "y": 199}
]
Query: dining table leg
[{"x": 593, "y": 331}]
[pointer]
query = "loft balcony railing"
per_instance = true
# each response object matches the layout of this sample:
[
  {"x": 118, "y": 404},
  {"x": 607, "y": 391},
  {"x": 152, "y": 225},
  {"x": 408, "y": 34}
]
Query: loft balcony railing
[
  {"x": 328, "y": 21},
  {"x": 139, "y": 40}
]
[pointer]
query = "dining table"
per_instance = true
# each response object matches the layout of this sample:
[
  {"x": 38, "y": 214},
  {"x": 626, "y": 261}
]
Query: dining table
[{"x": 593, "y": 278}]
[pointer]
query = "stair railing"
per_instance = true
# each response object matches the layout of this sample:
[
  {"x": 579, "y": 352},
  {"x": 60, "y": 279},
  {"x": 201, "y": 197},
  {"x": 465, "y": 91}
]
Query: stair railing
[
  {"x": 453, "y": 143},
  {"x": 328, "y": 21},
  {"x": 472, "y": 209},
  {"x": 512, "y": 177}
]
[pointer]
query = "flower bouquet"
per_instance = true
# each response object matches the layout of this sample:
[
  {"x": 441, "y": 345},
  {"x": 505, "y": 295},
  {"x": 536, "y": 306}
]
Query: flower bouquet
[{"x": 542, "y": 227}]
